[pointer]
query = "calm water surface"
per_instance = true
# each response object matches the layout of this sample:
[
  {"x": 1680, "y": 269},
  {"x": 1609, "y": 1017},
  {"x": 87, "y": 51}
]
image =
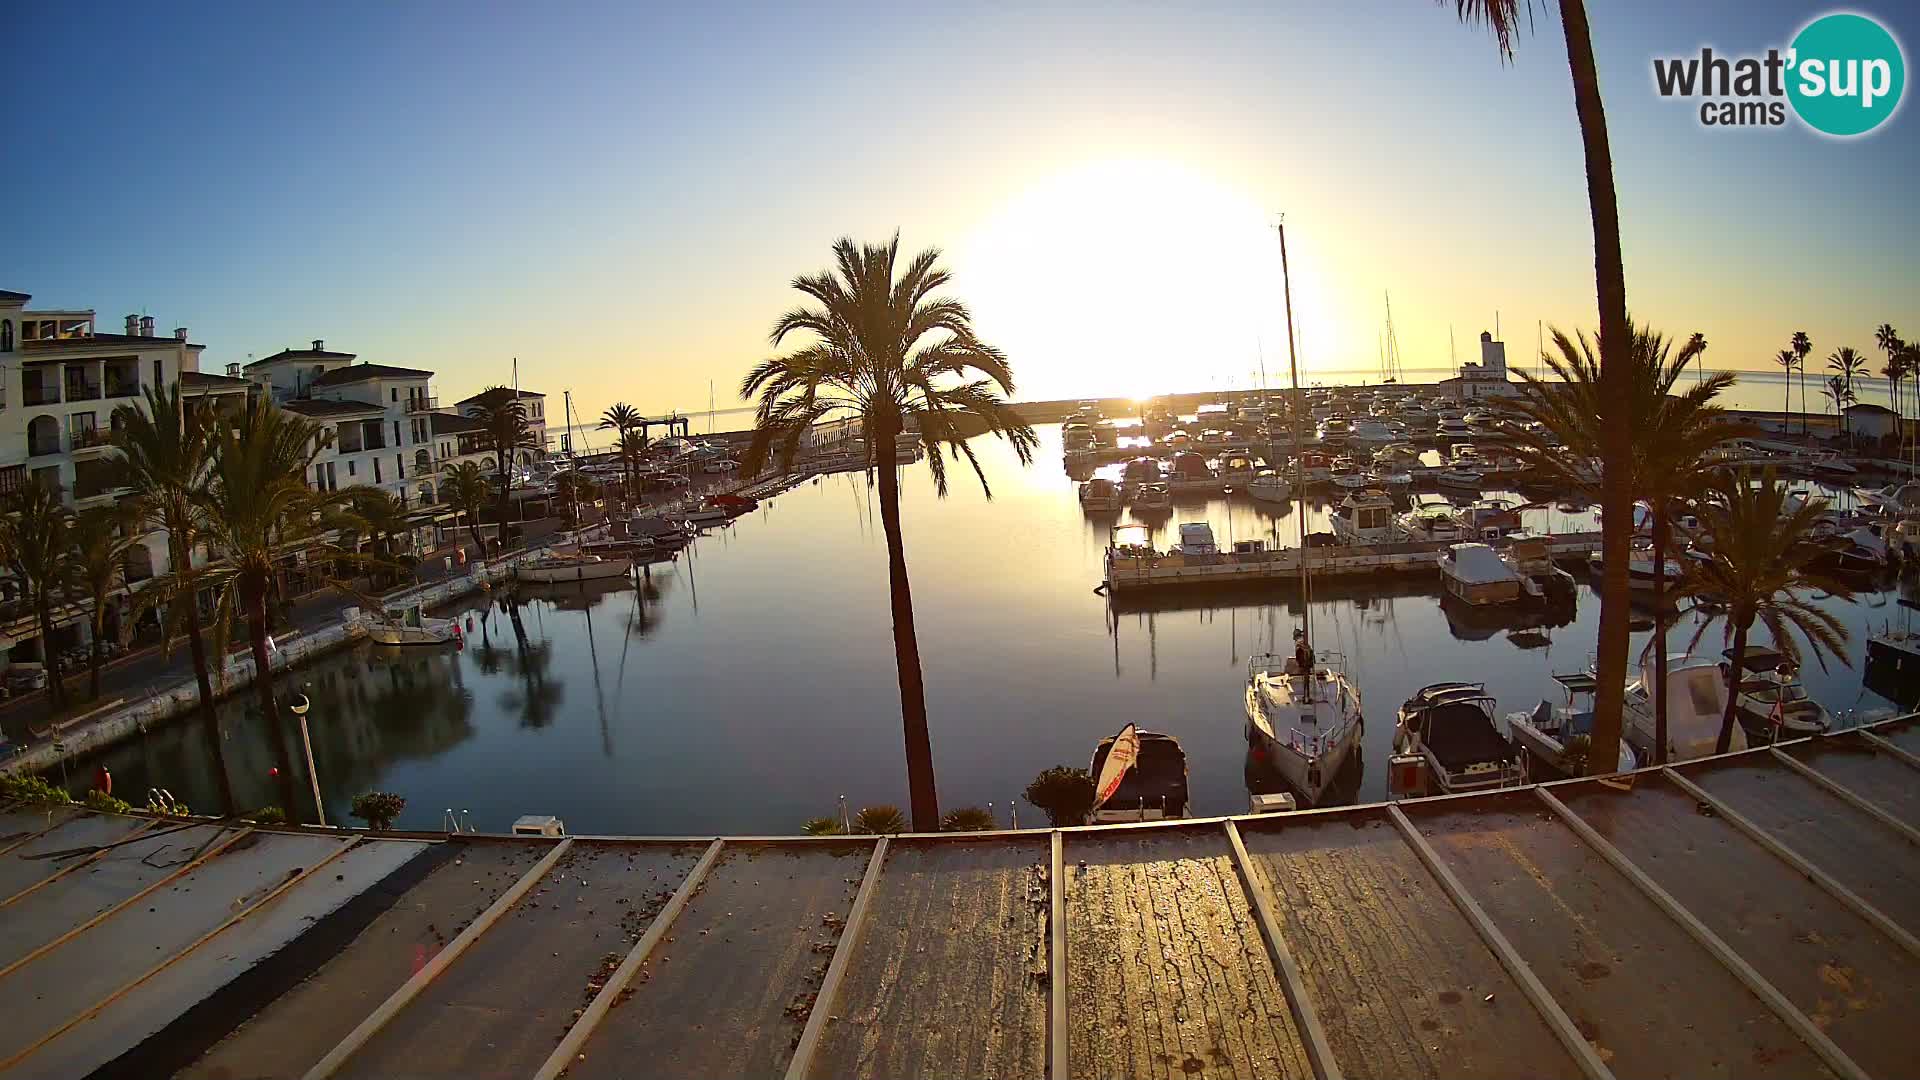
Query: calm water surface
[{"x": 747, "y": 686}]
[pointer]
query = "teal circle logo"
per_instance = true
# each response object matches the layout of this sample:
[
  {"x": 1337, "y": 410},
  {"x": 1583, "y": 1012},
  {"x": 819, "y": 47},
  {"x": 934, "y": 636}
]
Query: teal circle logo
[{"x": 1847, "y": 74}]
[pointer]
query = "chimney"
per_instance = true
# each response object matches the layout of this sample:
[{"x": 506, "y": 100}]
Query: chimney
[
  {"x": 146, "y": 326},
  {"x": 133, "y": 326},
  {"x": 179, "y": 333},
  {"x": 319, "y": 345},
  {"x": 233, "y": 370}
]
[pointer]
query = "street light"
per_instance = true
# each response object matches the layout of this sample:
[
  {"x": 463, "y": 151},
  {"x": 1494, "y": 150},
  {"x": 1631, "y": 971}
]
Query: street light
[{"x": 300, "y": 705}]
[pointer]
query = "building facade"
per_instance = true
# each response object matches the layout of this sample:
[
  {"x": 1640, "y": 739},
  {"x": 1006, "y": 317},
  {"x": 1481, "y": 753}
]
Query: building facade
[{"x": 1486, "y": 379}]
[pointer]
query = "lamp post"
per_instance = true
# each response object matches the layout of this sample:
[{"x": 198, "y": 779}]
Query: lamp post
[{"x": 300, "y": 705}]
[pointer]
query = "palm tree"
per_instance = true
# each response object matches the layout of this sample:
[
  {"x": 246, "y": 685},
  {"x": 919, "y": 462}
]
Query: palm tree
[
  {"x": 165, "y": 456},
  {"x": 1674, "y": 435},
  {"x": 102, "y": 538},
  {"x": 1836, "y": 391},
  {"x": 623, "y": 419},
  {"x": 259, "y": 512},
  {"x": 383, "y": 518},
  {"x": 1760, "y": 569},
  {"x": 1802, "y": 347},
  {"x": 890, "y": 355},
  {"x": 504, "y": 432},
  {"x": 465, "y": 489},
  {"x": 36, "y": 542},
  {"x": 1847, "y": 365},
  {"x": 1787, "y": 361},
  {"x": 631, "y": 448},
  {"x": 1887, "y": 340},
  {"x": 1615, "y": 447}
]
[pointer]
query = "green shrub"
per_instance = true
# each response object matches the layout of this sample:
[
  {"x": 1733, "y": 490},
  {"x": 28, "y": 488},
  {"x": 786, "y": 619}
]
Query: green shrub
[
  {"x": 107, "y": 804},
  {"x": 822, "y": 826},
  {"x": 879, "y": 820},
  {"x": 378, "y": 809},
  {"x": 32, "y": 789},
  {"x": 967, "y": 819},
  {"x": 269, "y": 815},
  {"x": 1064, "y": 793}
]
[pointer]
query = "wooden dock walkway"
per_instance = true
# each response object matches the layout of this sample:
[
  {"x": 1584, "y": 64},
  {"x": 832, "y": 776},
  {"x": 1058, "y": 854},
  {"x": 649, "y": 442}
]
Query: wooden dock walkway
[
  {"x": 1283, "y": 564},
  {"x": 1746, "y": 916}
]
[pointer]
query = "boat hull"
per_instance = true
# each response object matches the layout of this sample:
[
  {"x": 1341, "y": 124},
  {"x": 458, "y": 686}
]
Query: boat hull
[{"x": 599, "y": 571}]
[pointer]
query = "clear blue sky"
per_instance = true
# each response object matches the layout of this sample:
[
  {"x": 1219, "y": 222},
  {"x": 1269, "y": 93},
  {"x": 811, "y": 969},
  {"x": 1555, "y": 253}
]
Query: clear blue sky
[{"x": 618, "y": 194}]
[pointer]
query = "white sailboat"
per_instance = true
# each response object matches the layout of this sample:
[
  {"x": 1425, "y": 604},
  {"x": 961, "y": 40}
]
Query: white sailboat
[{"x": 1303, "y": 716}]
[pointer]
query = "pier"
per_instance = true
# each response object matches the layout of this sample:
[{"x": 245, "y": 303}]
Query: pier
[
  {"x": 1280, "y": 565},
  {"x": 1750, "y": 915}
]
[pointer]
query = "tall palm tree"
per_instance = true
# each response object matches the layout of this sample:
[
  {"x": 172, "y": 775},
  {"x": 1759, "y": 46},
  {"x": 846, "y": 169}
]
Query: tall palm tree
[
  {"x": 466, "y": 490},
  {"x": 165, "y": 457},
  {"x": 623, "y": 419},
  {"x": 888, "y": 353},
  {"x": 632, "y": 447},
  {"x": 1787, "y": 361},
  {"x": 1674, "y": 437},
  {"x": 1502, "y": 17},
  {"x": 1847, "y": 365},
  {"x": 1887, "y": 340},
  {"x": 259, "y": 512},
  {"x": 1802, "y": 347},
  {"x": 36, "y": 542},
  {"x": 382, "y": 518},
  {"x": 504, "y": 432},
  {"x": 1761, "y": 569},
  {"x": 102, "y": 537}
]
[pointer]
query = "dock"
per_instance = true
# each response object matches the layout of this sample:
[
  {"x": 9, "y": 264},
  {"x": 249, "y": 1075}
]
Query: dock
[
  {"x": 1282, "y": 565},
  {"x": 1753, "y": 915}
]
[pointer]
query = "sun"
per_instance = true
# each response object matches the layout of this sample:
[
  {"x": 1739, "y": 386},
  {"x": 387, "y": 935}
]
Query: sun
[{"x": 1131, "y": 277}]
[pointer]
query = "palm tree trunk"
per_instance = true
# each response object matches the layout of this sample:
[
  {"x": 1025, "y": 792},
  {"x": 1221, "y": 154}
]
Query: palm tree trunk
[
  {"x": 1725, "y": 741},
  {"x": 921, "y": 794},
  {"x": 95, "y": 656},
  {"x": 56, "y": 690},
  {"x": 1616, "y": 495},
  {"x": 479, "y": 543},
  {"x": 1660, "y": 632},
  {"x": 1788, "y": 407},
  {"x": 255, "y": 594},
  {"x": 209, "y": 717}
]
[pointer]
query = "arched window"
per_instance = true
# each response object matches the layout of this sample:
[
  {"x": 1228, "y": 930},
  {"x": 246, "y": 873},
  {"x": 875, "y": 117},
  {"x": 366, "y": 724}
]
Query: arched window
[
  {"x": 6, "y": 335},
  {"x": 426, "y": 494},
  {"x": 43, "y": 436},
  {"x": 422, "y": 461}
]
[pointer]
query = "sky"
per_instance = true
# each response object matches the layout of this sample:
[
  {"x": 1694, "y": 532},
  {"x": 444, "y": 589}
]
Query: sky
[{"x": 620, "y": 195}]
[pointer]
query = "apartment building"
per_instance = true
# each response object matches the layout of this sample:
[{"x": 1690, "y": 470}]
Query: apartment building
[
  {"x": 532, "y": 403},
  {"x": 378, "y": 418}
]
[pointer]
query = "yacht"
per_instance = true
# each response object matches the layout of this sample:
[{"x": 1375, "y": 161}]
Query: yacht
[
  {"x": 566, "y": 567},
  {"x": 1348, "y": 475},
  {"x": 1196, "y": 538},
  {"x": 1453, "y": 426},
  {"x": 1152, "y": 498},
  {"x": 1770, "y": 701},
  {"x": 1449, "y": 726},
  {"x": 1303, "y": 716},
  {"x": 1238, "y": 470},
  {"x": 1476, "y": 574},
  {"x": 1386, "y": 476},
  {"x": 1696, "y": 703},
  {"x": 1545, "y": 733},
  {"x": 402, "y": 626},
  {"x": 1460, "y": 477},
  {"x": 1315, "y": 469},
  {"x": 1141, "y": 776},
  {"x": 1190, "y": 472},
  {"x": 1364, "y": 517},
  {"x": 1639, "y": 568},
  {"x": 1269, "y": 486},
  {"x": 1100, "y": 494},
  {"x": 1531, "y": 557},
  {"x": 1142, "y": 470},
  {"x": 1334, "y": 430}
]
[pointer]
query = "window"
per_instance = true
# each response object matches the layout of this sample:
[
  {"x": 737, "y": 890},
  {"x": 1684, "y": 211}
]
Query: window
[
  {"x": 399, "y": 466},
  {"x": 6, "y": 335},
  {"x": 350, "y": 465},
  {"x": 376, "y": 470},
  {"x": 396, "y": 394},
  {"x": 396, "y": 434},
  {"x": 330, "y": 477},
  {"x": 157, "y": 380}
]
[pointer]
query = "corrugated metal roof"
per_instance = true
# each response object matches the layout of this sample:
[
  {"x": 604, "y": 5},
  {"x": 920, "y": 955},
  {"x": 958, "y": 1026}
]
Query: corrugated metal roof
[{"x": 1747, "y": 916}]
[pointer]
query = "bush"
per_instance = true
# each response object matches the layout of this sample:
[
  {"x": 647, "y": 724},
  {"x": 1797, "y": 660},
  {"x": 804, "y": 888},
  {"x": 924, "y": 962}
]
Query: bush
[
  {"x": 1064, "y": 793},
  {"x": 107, "y": 804},
  {"x": 273, "y": 815},
  {"x": 967, "y": 819},
  {"x": 822, "y": 826},
  {"x": 879, "y": 820},
  {"x": 378, "y": 809},
  {"x": 32, "y": 789}
]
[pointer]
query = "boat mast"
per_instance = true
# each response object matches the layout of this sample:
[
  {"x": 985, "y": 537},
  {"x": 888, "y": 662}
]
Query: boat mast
[
  {"x": 573, "y": 486},
  {"x": 1299, "y": 459}
]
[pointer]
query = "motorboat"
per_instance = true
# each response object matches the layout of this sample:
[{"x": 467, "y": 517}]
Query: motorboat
[
  {"x": 1696, "y": 704},
  {"x": 1238, "y": 470},
  {"x": 1303, "y": 716},
  {"x": 402, "y": 626},
  {"x": 1383, "y": 476},
  {"x": 1347, "y": 474},
  {"x": 1770, "y": 701},
  {"x": 1452, "y": 426},
  {"x": 1545, "y": 734},
  {"x": 1190, "y": 472},
  {"x": 1858, "y": 553},
  {"x": 1315, "y": 469},
  {"x": 1531, "y": 557},
  {"x": 1152, "y": 498},
  {"x": 1142, "y": 470},
  {"x": 1364, "y": 517},
  {"x": 1490, "y": 519},
  {"x": 1431, "y": 522},
  {"x": 1099, "y": 494},
  {"x": 1140, "y": 776},
  {"x": 1639, "y": 568},
  {"x": 1476, "y": 574},
  {"x": 1269, "y": 486},
  {"x": 1196, "y": 538},
  {"x": 1335, "y": 430},
  {"x": 572, "y": 567},
  {"x": 1450, "y": 727},
  {"x": 1460, "y": 477},
  {"x": 1893, "y": 662}
]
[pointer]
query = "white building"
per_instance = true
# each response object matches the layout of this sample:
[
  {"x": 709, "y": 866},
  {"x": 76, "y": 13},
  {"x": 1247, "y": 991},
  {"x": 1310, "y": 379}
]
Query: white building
[
  {"x": 379, "y": 418},
  {"x": 533, "y": 404},
  {"x": 1486, "y": 379}
]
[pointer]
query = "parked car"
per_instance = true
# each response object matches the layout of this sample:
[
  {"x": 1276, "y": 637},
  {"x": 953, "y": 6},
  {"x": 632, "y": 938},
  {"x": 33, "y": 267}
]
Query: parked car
[
  {"x": 672, "y": 480},
  {"x": 721, "y": 466}
]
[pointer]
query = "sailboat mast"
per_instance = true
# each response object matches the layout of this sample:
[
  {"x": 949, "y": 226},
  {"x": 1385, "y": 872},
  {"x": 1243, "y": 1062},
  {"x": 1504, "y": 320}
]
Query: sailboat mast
[{"x": 1299, "y": 458}]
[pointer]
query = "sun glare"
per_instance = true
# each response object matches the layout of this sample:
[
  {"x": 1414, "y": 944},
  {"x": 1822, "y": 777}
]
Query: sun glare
[{"x": 1132, "y": 278}]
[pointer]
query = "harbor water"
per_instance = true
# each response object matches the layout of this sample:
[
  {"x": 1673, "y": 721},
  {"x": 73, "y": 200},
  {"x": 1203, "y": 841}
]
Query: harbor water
[{"x": 748, "y": 685}]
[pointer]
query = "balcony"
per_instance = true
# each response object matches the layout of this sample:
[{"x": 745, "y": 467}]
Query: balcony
[
  {"x": 42, "y": 445},
  {"x": 122, "y": 388},
  {"x": 423, "y": 404},
  {"x": 93, "y": 438},
  {"x": 82, "y": 390},
  {"x": 40, "y": 394}
]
